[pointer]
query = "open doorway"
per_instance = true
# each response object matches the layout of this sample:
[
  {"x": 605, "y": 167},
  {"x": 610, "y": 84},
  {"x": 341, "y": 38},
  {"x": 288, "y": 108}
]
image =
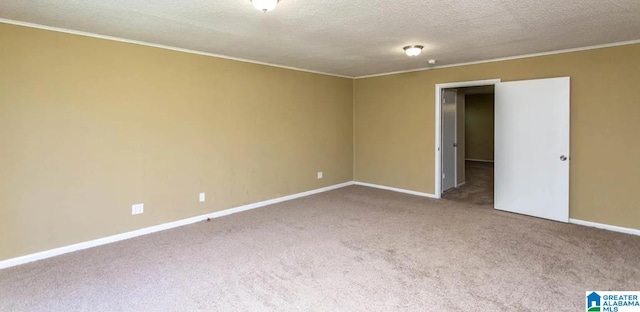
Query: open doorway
[
  {"x": 468, "y": 129},
  {"x": 451, "y": 167},
  {"x": 531, "y": 145}
]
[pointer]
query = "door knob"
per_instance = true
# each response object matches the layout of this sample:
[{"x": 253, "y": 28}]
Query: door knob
[{"x": 563, "y": 158}]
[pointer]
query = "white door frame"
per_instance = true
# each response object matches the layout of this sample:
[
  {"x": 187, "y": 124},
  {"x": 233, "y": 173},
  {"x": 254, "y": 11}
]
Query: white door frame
[{"x": 438, "y": 145}]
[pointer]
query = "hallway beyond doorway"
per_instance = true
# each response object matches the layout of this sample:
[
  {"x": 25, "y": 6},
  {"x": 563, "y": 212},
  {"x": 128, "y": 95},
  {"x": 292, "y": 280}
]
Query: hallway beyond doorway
[{"x": 478, "y": 189}]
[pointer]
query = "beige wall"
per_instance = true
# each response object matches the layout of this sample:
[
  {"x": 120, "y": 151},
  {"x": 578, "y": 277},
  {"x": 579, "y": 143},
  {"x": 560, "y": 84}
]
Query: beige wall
[
  {"x": 89, "y": 127},
  {"x": 460, "y": 136},
  {"x": 479, "y": 126},
  {"x": 395, "y": 126}
]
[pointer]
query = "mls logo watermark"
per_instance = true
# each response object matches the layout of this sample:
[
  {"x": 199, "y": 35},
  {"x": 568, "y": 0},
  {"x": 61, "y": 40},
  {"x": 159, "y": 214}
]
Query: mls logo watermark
[{"x": 613, "y": 301}]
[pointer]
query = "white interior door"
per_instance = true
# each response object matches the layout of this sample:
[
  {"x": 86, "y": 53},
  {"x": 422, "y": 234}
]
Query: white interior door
[
  {"x": 532, "y": 148},
  {"x": 448, "y": 138}
]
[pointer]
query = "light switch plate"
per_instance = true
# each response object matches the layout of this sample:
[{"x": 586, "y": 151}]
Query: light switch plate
[
  {"x": 320, "y": 175},
  {"x": 201, "y": 197}
]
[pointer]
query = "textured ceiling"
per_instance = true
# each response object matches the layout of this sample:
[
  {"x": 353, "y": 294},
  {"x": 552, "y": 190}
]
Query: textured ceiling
[{"x": 350, "y": 37}]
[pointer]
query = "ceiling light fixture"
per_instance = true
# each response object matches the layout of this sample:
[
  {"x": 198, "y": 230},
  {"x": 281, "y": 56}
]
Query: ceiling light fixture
[
  {"x": 265, "y": 5},
  {"x": 413, "y": 50}
]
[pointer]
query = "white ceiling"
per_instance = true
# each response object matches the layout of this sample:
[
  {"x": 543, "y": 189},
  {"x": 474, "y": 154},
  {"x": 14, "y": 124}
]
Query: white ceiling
[{"x": 350, "y": 37}]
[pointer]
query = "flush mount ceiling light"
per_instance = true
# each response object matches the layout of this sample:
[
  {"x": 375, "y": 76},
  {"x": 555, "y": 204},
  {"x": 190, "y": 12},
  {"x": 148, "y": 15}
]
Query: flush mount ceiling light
[
  {"x": 265, "y": 5},
  {"x": 413, "y": 50}
]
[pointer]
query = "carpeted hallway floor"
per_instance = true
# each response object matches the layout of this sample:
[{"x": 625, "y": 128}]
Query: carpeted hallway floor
[
  {"x": 352, "y": 249},
  {"x": 478, "y": 187}
]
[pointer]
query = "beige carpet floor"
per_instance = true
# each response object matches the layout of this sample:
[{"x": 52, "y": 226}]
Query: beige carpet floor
[{"x": 352, "y": 249}]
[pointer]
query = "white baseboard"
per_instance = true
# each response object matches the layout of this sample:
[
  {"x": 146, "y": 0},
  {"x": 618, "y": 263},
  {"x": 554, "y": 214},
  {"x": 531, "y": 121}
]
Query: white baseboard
[
  {"x": 161, "y": 227},
  {"x": 574, "y": 221},
  {"x": 399, "y": 190},
  {"x": 165, "y": 226},
  {"x": 480, "y": 160},
  {"x": 606, "y": 227}
]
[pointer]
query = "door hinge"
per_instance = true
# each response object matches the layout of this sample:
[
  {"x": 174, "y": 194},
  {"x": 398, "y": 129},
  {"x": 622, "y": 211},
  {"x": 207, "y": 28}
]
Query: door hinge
[{"x": 443, "y": 176}]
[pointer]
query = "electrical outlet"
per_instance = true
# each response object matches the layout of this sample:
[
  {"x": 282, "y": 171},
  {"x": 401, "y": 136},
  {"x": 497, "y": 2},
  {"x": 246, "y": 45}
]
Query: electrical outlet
[
  {"x": 320, "y": 175},
  {"x": 201, "y": 197},
  {"x": 137, "y": 209}
]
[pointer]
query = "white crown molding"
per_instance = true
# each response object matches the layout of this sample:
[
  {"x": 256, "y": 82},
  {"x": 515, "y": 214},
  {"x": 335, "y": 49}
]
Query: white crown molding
[
  {"x": 161, "y": 46},
  {"x": 395, "y": 189},
  {"x": 594, "y": 47},
  {"x": 161, "y": 227}
]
